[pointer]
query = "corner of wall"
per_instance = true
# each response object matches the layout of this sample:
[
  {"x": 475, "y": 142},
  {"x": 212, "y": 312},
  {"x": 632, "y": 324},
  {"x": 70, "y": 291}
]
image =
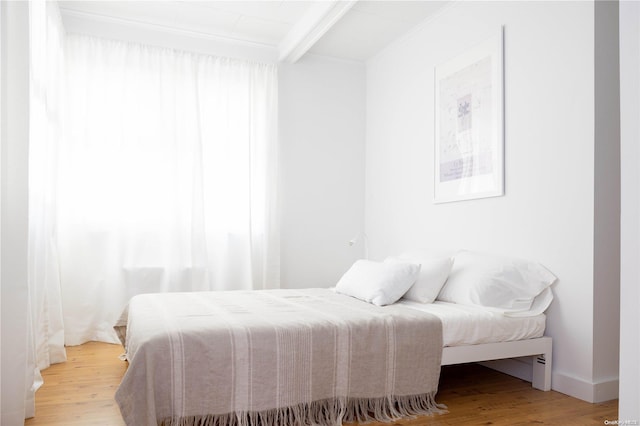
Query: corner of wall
[
  {"x": 17, "y": 394},
  {"x": 606, "y": 255}
]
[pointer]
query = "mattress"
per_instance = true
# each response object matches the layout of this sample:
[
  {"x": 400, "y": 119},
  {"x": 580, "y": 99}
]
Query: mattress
[{"x": 473, "y": 325}]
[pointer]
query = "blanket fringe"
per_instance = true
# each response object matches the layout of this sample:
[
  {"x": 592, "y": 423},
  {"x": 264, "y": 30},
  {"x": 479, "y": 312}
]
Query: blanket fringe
[{"x": 328, "y": 412}]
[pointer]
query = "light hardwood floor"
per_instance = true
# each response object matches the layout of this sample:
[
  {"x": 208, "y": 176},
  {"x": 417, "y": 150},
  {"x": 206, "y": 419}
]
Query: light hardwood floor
[{"x": 80, "y": 393}]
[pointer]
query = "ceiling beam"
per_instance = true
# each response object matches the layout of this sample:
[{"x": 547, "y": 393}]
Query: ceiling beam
[{"x": 319, "y": 19}]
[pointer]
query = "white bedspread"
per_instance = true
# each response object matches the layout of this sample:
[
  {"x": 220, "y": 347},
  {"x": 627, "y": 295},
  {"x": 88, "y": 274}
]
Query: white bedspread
[
  {"x": 472, "y": 325},
  {"x": 275, "y": 357}
]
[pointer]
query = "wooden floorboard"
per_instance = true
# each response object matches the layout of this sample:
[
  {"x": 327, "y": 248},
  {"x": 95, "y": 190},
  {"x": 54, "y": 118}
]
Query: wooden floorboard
[{"x": 80, "y": 393}]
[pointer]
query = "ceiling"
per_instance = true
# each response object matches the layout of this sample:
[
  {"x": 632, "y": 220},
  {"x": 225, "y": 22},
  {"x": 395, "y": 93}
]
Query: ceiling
[{"x": 353, "y": 30}]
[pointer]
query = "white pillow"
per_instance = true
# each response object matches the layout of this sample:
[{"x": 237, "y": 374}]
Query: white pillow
[
  {"x": 376, "y": 282},
  {"x": 499, "y": 282},
  {"x": 540, "y": 304},
  {"x": 433, "y": 275}
]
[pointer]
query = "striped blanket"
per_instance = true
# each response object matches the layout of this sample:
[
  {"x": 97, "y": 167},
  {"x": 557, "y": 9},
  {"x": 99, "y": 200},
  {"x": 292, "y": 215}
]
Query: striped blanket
[{"x": 275, "y": 357}]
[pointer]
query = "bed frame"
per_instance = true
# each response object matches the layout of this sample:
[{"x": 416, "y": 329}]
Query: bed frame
[{"x": 539, "y": 349}]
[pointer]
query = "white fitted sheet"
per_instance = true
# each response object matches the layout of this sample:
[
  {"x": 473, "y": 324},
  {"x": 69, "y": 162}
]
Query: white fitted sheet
[{"x": 472, "y": 325}]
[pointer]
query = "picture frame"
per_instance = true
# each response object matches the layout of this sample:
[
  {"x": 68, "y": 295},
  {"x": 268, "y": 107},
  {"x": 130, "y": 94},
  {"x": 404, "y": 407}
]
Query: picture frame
[{"x": 469, "y": 124}]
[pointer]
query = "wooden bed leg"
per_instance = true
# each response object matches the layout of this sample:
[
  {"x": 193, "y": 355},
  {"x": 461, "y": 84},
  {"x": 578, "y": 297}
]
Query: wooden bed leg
[{"x": 542, "y": 371}]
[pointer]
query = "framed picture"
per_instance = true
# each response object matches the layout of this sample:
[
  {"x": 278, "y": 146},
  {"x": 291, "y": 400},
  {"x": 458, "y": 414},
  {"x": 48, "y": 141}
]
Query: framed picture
[{"x": 469, "y": 129}]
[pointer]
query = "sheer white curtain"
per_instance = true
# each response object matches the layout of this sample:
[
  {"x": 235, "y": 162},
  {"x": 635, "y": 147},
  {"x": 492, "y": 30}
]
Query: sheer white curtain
[
  {"x": 46, "y": 330},
  {"x": 166, "y": 178}
]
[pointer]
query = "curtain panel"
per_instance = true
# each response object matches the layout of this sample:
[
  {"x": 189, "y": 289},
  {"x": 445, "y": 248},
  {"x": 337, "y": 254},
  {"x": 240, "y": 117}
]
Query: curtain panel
[
  {"x": 166, "y": 178},
  {"x": 150, "y": 170},
  {"x": 46, "y": 99}
]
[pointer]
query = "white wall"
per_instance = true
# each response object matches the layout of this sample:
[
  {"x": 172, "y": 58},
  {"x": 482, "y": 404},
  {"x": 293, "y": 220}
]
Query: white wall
[
  {"x": 15, "y": 133},
  {"x": 606, "y": 297},
  {"x": 547, "y": 213},
  {"x": 629, "y": 404},
  {"x": 322, "y": 125}
]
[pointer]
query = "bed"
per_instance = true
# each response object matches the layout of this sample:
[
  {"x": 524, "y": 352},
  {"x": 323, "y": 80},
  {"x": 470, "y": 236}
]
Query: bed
[
  {"x": 156, "y": 349},
  {"x": 369, "y": 349}
]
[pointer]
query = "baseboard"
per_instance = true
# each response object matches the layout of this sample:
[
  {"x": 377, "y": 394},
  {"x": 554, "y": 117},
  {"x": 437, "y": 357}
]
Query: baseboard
[
  {"x": 590, "y": 392},
  {"x": 577, "y": 388}
]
